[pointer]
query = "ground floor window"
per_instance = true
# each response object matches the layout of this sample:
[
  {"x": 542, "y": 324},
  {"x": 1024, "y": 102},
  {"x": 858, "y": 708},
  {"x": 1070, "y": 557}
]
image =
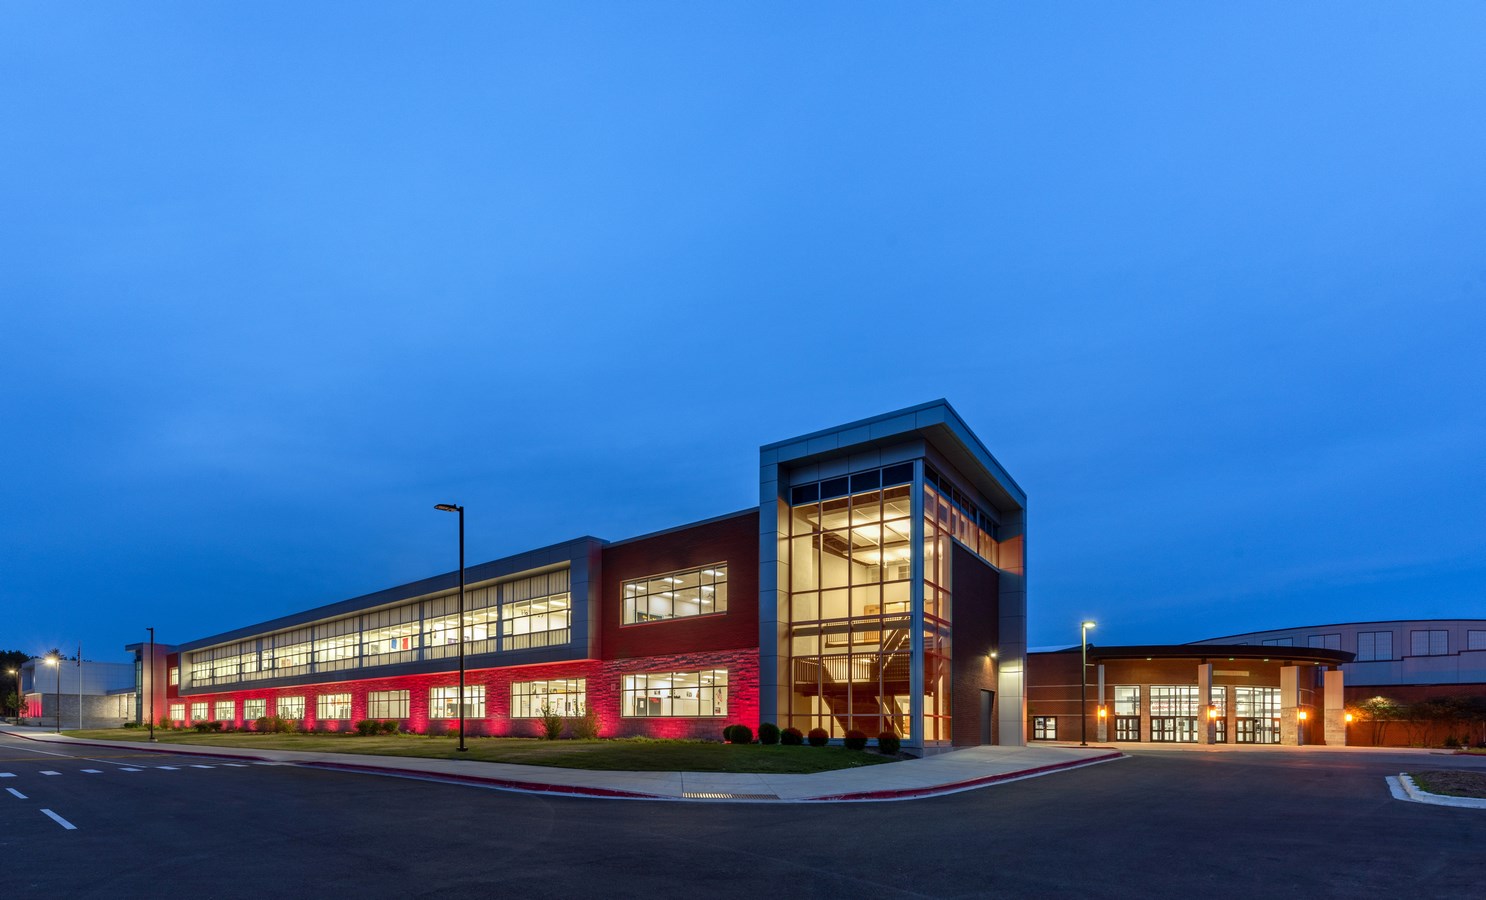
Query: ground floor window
[
  {"x": 1174, "y": 729},
  {"x": 223, "y": 711},
  {"x": 567, "y": 697},
  {"x": 198, "y": 712},
  {"x": 177, "y": 712},
  {"x": 289, "y": 707},
  {"x": 1044, "y": 728},
  {"x": 387, "y": 705},
  {"x": 333, "y": 706},
  {"x": 1257, "y": 712},
  {"x": 1127, "y": 728},
  {"x": 255, "y": 709},
  {"x": 702, "y": 693},
  {"x": 443, "y": 702}
]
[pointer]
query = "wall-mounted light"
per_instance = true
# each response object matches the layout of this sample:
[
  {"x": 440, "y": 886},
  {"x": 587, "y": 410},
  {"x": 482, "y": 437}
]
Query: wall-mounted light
[
  {"x": 1348, "y": 717},
  {"x": 1103, "y": 712}
]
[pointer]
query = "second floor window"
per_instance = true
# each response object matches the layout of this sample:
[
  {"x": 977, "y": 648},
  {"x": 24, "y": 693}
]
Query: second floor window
[{"x": 693, "y": 592}]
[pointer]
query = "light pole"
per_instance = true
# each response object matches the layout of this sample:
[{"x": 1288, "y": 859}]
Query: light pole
[
  {"x": 56, "y": 663},
  {"x": 1083, "y": 687},
  {"x": 451, "y": 507},
  {"x": 17, "y": 674},
  {"x": 152, "y": 684}
]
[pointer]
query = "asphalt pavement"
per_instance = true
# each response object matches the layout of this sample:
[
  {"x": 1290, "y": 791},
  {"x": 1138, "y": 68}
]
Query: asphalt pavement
[{"x": 1157, "y": 824}]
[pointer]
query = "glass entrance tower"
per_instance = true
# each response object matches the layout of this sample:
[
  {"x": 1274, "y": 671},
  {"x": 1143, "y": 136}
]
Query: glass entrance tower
[{"x": 893, "y": 583}]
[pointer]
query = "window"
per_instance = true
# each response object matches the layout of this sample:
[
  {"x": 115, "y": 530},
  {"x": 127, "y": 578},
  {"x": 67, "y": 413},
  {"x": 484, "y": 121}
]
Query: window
[
  {"x": 1429, "y": 643},
  {"x": 568, "y": 697},
  {"x": 387, "y": 705},
  {"x": 1278, "y": 642},
  {"x": 1127, "y": 700},
  {"x": 1174, "y": 713},
  {"x": 1044, "y": 728},
  {"x": 1475, "y": 640},
  {"x": 443, "y": 702},
  {"x": 1374, "y": 645},
  {"x": 198, "y": 712},
  {"x": 333, "y": 706},
  {"x": 223, "y": 711},
  {"x": 702, "y": 693},
  {"x": 177, "y": 712},
  {"x": 254, "y": 709},
  {"x": 1326, "y": 641},
  {"x": 1127, "y": 728},
  {"x": 290, "y": 707},
  {"x": 1257, "y": 714},
  {"x": 175, "y": 674},
  {"x": 693, "y": 592}
]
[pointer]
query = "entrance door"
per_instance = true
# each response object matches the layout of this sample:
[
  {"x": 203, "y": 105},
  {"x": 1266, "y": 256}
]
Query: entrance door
[{"x": 987, "y": 706}]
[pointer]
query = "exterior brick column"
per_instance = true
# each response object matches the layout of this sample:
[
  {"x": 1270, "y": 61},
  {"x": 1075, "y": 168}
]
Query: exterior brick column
[{"x": 1205, "y": 726}]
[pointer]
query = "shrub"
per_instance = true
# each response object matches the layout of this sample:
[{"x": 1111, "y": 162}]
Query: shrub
[
  {"x": 791, "y": 737},
  {"x": 742, "y": 734},
  {"x": 389, "y": 726},
  {"x": 368, "y": 727},
  {"x": 818, "y": 737},
  {"x": 888, "y": 743},
  {"x": 131, "y": 724},
  {"x": 855, "y": 740},
  {"x": 165, "y": 722},
  {"x": 727, "y": 733},
  {"x": 551, "y": 722},
  {"x": 229, "y": 727},
  {"x": 285, "y": 726},
  {"x": 215, "y": 726},
  {"x": 768, "y": 733},
  {"x": 202, "y": 727},
  {"x": 263, "y": 724},
  {"x": 586, "y": 725},
  {"x": 1452, "y": 742},
  {"x": 437, "y": 728}
]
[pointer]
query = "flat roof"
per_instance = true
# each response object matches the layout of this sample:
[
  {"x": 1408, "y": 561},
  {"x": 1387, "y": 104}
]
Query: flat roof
[{"x": 1227, "y": 651}]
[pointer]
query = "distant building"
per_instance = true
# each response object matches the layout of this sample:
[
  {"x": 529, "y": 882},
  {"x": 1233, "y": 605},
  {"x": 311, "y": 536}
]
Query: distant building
[
  {"x": 878, "y": 585},
  {"x": 90, "y": 695}
]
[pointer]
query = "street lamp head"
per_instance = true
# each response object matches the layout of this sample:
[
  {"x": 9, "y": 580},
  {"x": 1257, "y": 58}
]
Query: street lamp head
[
  {"x": 51, "y": 660},
  {"x": 448, "y": 507},
  {"x": 1088, "y": 624}
]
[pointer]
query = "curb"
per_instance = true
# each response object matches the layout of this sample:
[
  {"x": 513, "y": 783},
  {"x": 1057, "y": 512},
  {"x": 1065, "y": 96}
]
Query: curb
[
  {"x": 530, "y": 787},
  {"x": 970, "y": 785},
  {"x": 146, "y": 748},
  {"x": 1418, "y": 795}
]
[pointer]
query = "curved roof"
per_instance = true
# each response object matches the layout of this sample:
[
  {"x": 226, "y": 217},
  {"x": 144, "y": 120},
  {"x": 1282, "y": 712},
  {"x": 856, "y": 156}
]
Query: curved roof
[{"x": 1314, "y": 655}]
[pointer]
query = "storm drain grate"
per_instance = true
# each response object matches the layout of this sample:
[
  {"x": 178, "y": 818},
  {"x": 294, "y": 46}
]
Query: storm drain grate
[{"x": 717, "y": 795}]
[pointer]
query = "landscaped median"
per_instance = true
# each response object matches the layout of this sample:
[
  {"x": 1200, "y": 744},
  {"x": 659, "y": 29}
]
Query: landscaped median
[
  {"x": 1452, "y": 783},
  {"x": 618, "y": 754}
]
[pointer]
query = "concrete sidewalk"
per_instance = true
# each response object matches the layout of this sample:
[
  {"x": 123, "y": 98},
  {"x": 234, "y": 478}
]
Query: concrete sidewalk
[{"x": 945, "y": 773}]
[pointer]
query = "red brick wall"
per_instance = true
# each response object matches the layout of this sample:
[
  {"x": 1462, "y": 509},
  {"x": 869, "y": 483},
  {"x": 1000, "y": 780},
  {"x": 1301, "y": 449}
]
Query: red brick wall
[
  {"x": 733, "y": 541},
  {"x": 604, "y": 685},
  {"x": 976, "y": 619}
]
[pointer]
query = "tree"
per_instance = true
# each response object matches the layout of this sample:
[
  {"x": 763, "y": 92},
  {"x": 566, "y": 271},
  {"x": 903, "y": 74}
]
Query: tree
[
  {"x": 1378, "y": 711},
  {"x": 11, "y": 659}
]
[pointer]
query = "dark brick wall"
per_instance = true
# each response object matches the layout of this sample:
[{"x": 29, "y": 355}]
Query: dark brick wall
[
  {"x": 976, "y": 613},
  {"x": 733, "y": 541}
]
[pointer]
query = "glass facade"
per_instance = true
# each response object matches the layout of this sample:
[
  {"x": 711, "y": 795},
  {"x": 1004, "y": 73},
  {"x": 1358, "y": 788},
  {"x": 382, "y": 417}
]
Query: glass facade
[
  {"x": 850, "y": 610},
  {"x": 695, "y": 592},
  {"x": 1257, "y": 715},
  {"x": 387, "y": 705},
  {"x": 511, "y": 615}
]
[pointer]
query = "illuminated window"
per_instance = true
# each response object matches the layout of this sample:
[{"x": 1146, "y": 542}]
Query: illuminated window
[
  {"x": 675, "y": 694},
  {"x": 443, "y": 702},
  {"x": 289, "y": 707},
  {"x": 255, "y": 709},
  {"x": 177, "y": 712},
  {"x": 692, "y": 592},
  {"x": 1374, "y": 645},
  {"x": 1044, "y": 728},
  {"x": 1174, "y": 713},
  {"x": 198, "y": 712},
  {"x": 333, "y": 706},
  {"x": 1429, "y": 643},
  {"x": 175, "y": 674},
  {"x": 567, "y": 697},
  {"x": 1127, "y": 700},
  {"x": 387, "y": 705},
  {"x": 1257, "y": 714},
  {"x": 223, "y": 711}
]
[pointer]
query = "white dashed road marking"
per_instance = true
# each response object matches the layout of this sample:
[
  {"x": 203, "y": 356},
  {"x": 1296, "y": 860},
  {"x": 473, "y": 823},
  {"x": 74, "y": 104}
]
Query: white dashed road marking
[
  {"x": 195, "y": 766},
  {"x": 7, "y": 774},
  {"x": 167, "y": 768},
  {"x": 127, "y": 769},
  {"x": 59, "y": 820},
  {"x": 93, "y": 771},
  {"x": 235, "y": 765},
  {"x": 49, "y": 772},
  {"x": 17, "y": 793}
]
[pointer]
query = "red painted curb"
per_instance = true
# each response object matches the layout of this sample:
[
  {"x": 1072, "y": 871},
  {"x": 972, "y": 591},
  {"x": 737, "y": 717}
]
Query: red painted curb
[
  {"x": 908, "y": 793},
  {"x": 532, "y": 786}
]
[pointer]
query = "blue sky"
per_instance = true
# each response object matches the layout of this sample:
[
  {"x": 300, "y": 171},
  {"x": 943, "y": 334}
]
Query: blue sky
[{"x": 1211, "y": 283}]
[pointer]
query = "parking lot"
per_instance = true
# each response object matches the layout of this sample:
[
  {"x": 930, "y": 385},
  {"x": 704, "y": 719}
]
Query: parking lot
[{"x": 92, "y": 822}]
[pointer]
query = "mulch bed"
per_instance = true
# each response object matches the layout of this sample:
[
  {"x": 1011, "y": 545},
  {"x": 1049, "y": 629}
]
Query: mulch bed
[{"x": 1455, "y": 783}]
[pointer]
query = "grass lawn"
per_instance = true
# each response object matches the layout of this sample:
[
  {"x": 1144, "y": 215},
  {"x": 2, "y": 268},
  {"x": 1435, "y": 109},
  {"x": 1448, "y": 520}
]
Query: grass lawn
[
  {"x": 632, "y": 755},
  {"x": 1453, "y": 783}
]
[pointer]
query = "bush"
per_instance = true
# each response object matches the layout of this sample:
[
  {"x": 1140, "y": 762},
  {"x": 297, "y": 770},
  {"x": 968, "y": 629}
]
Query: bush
[
  {"x": 367, "y": 727},
  {"x": 437, "y": 728},
  {"x": 586, "y": 725},
  {"x": 888, "y": 743},
  {"x": 165, "y": 722},
  {"x": 263, "y": 724},
  {"x": 551, "y": 722},
  {"x": 791, "y": 737},
  {"x": 818, "y": 737},
  {"x": 202, "y": 727},
  {"x": 389, "y": 726},
  {"x": 131, "y": 724},
  {"x": 855, "y": 740},
  {"x": 727, "y": 733},
  {"x": 768, "y": 733},
  {"x": 742, "y": 734}
]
